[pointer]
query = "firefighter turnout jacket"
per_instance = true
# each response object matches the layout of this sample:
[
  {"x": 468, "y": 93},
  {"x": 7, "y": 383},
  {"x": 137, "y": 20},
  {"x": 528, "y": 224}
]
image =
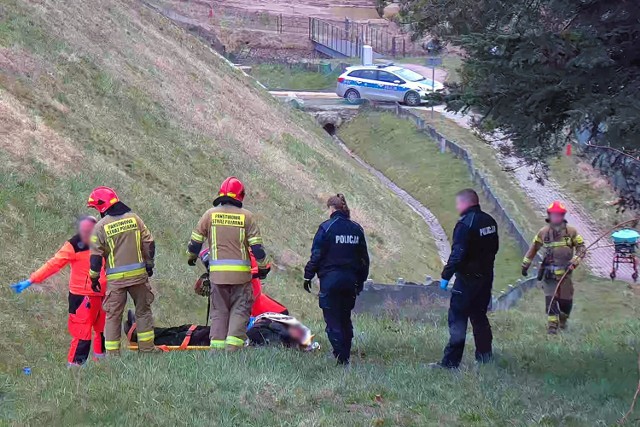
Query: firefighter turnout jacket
[
  {"x": 123, "y": 240},
  {"x": 75, "y": 254},
  {"x": 563, "y": 246},
  {"x": 475, "y": 245},
  {"x": 231, "y": 232}
]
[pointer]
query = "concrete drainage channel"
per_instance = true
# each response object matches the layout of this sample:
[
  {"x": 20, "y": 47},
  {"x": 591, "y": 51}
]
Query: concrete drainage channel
[
  {"x": 408, "y": 300},
  {"x": 438, "y": 233}
]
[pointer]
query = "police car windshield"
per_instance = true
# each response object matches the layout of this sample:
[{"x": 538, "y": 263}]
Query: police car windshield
[{"x": 409, "y": 75}]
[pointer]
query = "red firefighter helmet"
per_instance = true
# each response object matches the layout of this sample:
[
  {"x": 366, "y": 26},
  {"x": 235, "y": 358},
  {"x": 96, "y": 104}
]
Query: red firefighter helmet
[
  {"x": 102, "y": 198},
  {"x": 232, "y": 187},
  {"x": 557, "y": 207}
]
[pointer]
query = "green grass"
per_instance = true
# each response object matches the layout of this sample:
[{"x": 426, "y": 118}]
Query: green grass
[
  {"x": 278, "y": 76},
  {"x": 123, "y": 98},
  {"x": 414, "y": 162},
  {"x": 484, "y": 157},
  {"x": 587, "y": 187},
  {"x": 583, "y": 377}
]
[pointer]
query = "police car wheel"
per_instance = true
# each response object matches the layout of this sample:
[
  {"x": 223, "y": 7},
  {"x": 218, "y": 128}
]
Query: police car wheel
[
  {"x": 352, "y": 96},
  {"x": 412, "y": 99}
]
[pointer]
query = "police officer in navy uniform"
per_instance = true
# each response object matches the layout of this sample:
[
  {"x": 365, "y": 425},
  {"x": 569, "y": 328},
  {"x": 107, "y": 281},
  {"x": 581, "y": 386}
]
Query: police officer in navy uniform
[
  {"x": 473, "y": 252},
  {"x": 340, "y": 259}
]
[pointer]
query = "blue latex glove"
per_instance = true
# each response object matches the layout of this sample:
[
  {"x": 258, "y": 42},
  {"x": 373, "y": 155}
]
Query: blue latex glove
[
  {"x": 21, "y": 286},
  {"x": 444, "y": 284}
]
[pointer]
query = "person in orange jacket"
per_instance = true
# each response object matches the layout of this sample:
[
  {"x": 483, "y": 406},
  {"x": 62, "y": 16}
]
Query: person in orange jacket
[{"x": 85, "y": 305}]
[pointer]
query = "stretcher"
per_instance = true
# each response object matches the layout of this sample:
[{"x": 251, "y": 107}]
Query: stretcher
[{"x": 265, "y": 329}]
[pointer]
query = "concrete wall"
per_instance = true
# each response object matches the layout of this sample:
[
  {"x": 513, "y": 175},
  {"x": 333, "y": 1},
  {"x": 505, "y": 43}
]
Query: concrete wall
[{"x": 506, "y": 299}]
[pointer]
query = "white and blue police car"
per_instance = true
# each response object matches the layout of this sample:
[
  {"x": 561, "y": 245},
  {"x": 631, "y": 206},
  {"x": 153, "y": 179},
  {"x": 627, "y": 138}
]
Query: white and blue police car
[{"x": 385, "y": 83}]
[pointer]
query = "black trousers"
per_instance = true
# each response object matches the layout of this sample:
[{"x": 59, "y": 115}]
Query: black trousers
[
  {"x": 470, "y": 298},
  {"x": 337, "y": 299}
]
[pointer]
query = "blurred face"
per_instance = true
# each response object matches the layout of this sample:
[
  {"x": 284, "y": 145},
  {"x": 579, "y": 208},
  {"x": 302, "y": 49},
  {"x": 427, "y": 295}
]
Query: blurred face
[
  {"x": 462, "y": 204},
  {"x": 85, "y": 228},
  {"x": 296, "y": 333},
  {"x": 556, "y": 218}
]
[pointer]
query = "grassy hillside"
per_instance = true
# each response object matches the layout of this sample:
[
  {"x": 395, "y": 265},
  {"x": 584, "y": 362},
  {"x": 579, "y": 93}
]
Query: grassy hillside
[
  {"x": 95, "y": 92},
  {"x": 409, "y": 159},
  {"x": 108, "y": 93}
]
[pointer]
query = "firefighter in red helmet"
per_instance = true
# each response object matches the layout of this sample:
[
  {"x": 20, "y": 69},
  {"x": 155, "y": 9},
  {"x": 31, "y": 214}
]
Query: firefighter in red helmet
[
  {"x": 563, "y": 249},
  {"x": 231, "y": 232},
  {"x": 122, "y": 240}
]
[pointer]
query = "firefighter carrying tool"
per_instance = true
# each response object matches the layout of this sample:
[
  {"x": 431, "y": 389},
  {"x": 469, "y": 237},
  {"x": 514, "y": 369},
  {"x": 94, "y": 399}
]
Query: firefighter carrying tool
[
  {"x": 122, "y": 239},
  {"x": 564, "y": 248},
  {"x": 230, "y": 231}
]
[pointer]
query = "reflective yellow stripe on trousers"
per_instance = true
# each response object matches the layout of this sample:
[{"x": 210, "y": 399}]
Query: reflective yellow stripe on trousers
[
  {"x": 146, "y": 336},
  {"x": 112, "y": 345}
]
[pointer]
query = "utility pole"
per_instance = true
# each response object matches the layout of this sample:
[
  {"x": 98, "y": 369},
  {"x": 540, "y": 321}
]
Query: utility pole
[{"x": 433, "y": 62}]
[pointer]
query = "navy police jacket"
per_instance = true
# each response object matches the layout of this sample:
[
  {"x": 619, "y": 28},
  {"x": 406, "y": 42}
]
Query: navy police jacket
[
  {"x": 339, "y": 245},
  {"x": 474, "y": 247}
]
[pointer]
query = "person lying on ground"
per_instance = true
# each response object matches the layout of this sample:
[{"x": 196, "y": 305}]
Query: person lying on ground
[{"x": 268, "y": 329}]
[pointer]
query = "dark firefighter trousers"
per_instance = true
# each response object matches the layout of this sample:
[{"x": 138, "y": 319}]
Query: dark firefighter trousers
[
  {"x": 470, "y": 298},
  {"x": 337, "y": 298}
]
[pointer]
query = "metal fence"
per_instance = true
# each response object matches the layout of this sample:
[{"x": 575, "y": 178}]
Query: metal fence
[
  {"x": 347, "y": 43},
  {"x": 348, "y": 37}
]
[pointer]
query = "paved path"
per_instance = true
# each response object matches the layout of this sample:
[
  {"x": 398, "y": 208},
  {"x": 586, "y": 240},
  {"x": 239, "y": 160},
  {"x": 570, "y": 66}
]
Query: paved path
[{"x": 542, "y": 195}]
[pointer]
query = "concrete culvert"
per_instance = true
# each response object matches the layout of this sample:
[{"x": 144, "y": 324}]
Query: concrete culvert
[{"x": 330, "y": 128}]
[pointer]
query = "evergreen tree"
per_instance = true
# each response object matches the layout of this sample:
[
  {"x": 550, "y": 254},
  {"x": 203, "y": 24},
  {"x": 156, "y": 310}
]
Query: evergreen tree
[{"x": 542, "y": 69}]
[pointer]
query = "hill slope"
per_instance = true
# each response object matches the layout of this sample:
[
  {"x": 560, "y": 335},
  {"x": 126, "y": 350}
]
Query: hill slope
[
  {"x": 95, "y": 92},
  {"x": 113, "y": 94}
]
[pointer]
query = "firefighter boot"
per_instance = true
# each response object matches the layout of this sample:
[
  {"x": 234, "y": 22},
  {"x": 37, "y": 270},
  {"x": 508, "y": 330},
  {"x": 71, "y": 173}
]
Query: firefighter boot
[
  {"x": 147, "y": 347},
  {"x": 564, "y": 318},
  {"x": 552, "y": 325},
  {"x": 113, "y": 353}
]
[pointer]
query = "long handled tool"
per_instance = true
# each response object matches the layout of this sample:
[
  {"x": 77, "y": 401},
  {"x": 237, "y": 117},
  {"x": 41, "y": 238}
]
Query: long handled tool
[
  {"x": 624, "y": 419},
  {"x": 584, "y": 253}
]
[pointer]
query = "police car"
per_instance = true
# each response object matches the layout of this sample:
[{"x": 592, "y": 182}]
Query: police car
[{"x": 385, "y": 83}]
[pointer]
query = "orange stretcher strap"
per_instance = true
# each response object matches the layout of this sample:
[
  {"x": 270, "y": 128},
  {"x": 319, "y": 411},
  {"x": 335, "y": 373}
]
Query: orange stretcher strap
[
  {"x": 185, "y": 342},
  {"x": 132, "y": 329}
]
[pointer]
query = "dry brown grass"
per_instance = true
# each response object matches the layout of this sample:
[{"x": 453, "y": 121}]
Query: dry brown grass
[{"x": 25, "y": 136}]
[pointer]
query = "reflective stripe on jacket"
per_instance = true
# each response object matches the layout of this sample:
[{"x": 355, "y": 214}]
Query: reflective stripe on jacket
[
  {"x": 126, "y": 245},
  {"x": 562, "y": 246},
  {"x": 230, "y": 232},
  {"x": 75, "y": 254}
]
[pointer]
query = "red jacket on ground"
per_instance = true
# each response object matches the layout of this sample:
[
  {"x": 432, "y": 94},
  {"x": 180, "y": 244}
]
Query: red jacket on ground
[
  {"x": 76, "y": 254},
  {"x": 262, "y": 303}
]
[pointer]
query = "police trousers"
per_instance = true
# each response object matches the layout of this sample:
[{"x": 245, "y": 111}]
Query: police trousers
[
  {"x": 470, "y": 298},
  {"x": 336, "y": 299}
]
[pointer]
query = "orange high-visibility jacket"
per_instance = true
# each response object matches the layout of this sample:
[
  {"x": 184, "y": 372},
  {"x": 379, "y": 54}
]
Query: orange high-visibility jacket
[{"x": 76, "y": 255}]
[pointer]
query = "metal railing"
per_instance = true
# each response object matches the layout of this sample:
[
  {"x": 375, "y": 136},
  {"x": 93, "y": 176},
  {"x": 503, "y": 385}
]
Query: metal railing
[
  {"x": 348, "y": 38},
  {"x": 338, "y": 39}
]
